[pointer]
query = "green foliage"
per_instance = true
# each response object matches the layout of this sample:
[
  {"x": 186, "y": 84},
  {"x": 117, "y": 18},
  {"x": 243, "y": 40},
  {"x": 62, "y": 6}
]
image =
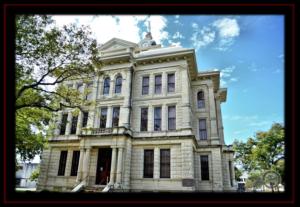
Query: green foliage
[
  {"x": 30, "y": 129},
  {"x": 47, "y": 57},
  {"x": 35, "y": 174},
  {"x": 262, "y": 153},
  {"x": 238, "y": 173}
]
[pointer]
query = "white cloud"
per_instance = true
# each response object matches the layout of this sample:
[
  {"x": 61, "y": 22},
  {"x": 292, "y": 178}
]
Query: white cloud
[
  {"x": 178, "y": 35},
  {"x": 203, "y": 37},
  {"x": 176, "y": 44},
  {"x": 228, "y": 30},
  {"x": 226, "y": 72},
  {"x": 195, "y": 25},
  {"x": 106, "y": 27},
  {"x": 158, "y": 26},
  {"x": 177, "y": 16}
]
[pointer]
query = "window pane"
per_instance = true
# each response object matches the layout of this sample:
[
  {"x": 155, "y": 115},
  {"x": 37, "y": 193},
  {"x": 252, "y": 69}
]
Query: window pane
[
  {"x": 75, "y": 161},
  {"x": 145, "y": 87},
  {"x": 165, "y": 163},
  {"x": 157, "y": 118},
  {"x": 85, "y": 119},
  {"x": 74, "y": 125},
  {"x": 202, "y": 129},
  {"x": 116, "y": 112},
  {"x": 62, "y": 163},
  {"x": 118, "y": 86},
  {"x": 63, "y": 124},
  {"x": 106, "y": 86},
  {"x": 148, "y": 163},
  {"x": 171, "y": 82},
  {"x": 202, "y": 124},
  {"x": 158, "y": 84},
  {"x": 204, "y": 167},
  {"x": 144, "y": 119},
  {"x": 171, "y": 118},
  {"x": 200, "y": 100},
  {"x": 103, "y": 117}
]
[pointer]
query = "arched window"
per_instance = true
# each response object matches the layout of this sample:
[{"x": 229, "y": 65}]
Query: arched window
[
  {"x": 118, "y": 85},
  {"x": 200, "y": 100},
  {"x": 106, "y": 86}
]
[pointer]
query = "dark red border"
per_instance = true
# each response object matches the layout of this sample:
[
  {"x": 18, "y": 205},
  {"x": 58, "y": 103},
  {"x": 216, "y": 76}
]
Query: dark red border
[{"x": 291, "y": 6}]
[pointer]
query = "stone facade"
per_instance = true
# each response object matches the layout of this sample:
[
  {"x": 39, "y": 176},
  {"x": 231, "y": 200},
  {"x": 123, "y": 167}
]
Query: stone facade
[{"x": 126, "y": 143}]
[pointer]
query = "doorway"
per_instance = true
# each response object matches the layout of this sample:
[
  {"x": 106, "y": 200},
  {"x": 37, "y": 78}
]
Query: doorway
[{"x": 103, "y": 166}]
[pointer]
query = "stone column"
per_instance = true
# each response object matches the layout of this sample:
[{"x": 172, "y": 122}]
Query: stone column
[
  {"x": 69, "y": 123},
  {"x": 232, "y": 172},
  {"x": 164, "y": 82},
  {"x": 109, "y": 117},
  {"x": 150, "y": 118},
  {"x": 164, "y": 118},
  {"x": 156, "y": 167},
  {"x": 100, "y": 91},
  {"x": 79, "y": 123},
  {"x": 80, "y": 164},
  {"x": 86, "y": 162},
  {"x": 125, "y": 110},
  {"x": 94, "y": 89},
  {"x": 186, "y": 105},
  {"x": 111, "y": 88},
  {"x": 119, "y": 166},
  {"x": 220, "y": 122},
  {"x": 58, "y": 123},
  {"x": 213, "y": 119},
  {"x": 151, "y": 84},
  {"x": 113, "y": 166},
  {"x": 217, "y": 177}
]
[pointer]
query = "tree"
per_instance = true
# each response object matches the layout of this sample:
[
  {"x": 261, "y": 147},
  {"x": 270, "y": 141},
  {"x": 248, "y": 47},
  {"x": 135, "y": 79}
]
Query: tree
[
  {"x": 46, "y": 57},
  {"x": 263, "y": 152}
]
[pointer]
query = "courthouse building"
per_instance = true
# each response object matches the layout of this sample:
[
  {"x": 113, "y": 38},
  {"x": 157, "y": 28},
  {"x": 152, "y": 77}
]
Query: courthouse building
[{"x": 156, "y": 125}]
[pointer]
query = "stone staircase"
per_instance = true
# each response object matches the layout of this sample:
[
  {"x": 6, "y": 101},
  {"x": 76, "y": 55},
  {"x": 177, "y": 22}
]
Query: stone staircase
[{"x": 93, "y": 189}]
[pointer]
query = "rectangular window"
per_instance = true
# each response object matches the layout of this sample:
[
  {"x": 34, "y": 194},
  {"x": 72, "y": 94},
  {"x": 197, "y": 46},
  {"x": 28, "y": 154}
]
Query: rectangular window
[
  {"x": 144, "y": 119},
  {"x": 116, "y": 113},
  {"x": 165, "y": 163},
  {"x": 202, "y": 129},
  {"x": 63, "y": 124},
  {"x": 148, "y": 163},
  {"x": 145, "y": 88},
  {"x": 103, "y": 118},
  {"x": 204, "y": 167},
  {"x": 85, "y": 119},
  {"x": 157, "y": 84},
  {"x": 171, "y": 82},
  {"x": 157, "y": 119},
  {"x": 74, "y": 125},
  {"x": 75, "y": 161},
  {"x": 171, "y": 118},
  {"x": 62, "y": 163}
]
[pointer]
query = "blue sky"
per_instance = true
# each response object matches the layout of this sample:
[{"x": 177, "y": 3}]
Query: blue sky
[{"x": 247, "y": 49}]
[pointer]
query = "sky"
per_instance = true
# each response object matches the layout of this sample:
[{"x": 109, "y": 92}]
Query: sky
[{"x": 248, "y": 50}]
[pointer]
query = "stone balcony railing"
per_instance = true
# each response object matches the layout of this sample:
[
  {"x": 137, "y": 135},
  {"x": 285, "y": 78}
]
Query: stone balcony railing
[{"x": 105, "y": 131}]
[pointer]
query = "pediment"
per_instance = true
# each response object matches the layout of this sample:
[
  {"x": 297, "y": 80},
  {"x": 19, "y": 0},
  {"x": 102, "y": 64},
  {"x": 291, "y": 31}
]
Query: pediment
[{"x": 117, "y": 44}]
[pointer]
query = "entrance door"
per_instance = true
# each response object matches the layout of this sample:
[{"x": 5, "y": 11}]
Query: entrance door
[{"x": 103, "y": 166}]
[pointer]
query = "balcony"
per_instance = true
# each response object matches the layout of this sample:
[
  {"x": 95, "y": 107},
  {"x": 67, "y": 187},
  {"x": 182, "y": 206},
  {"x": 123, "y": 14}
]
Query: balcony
[{"x": 105, "y": 131}]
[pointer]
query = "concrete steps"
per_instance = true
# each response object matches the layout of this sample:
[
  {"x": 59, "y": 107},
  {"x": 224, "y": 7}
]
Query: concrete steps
[{"x": 93, "y": 189}]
